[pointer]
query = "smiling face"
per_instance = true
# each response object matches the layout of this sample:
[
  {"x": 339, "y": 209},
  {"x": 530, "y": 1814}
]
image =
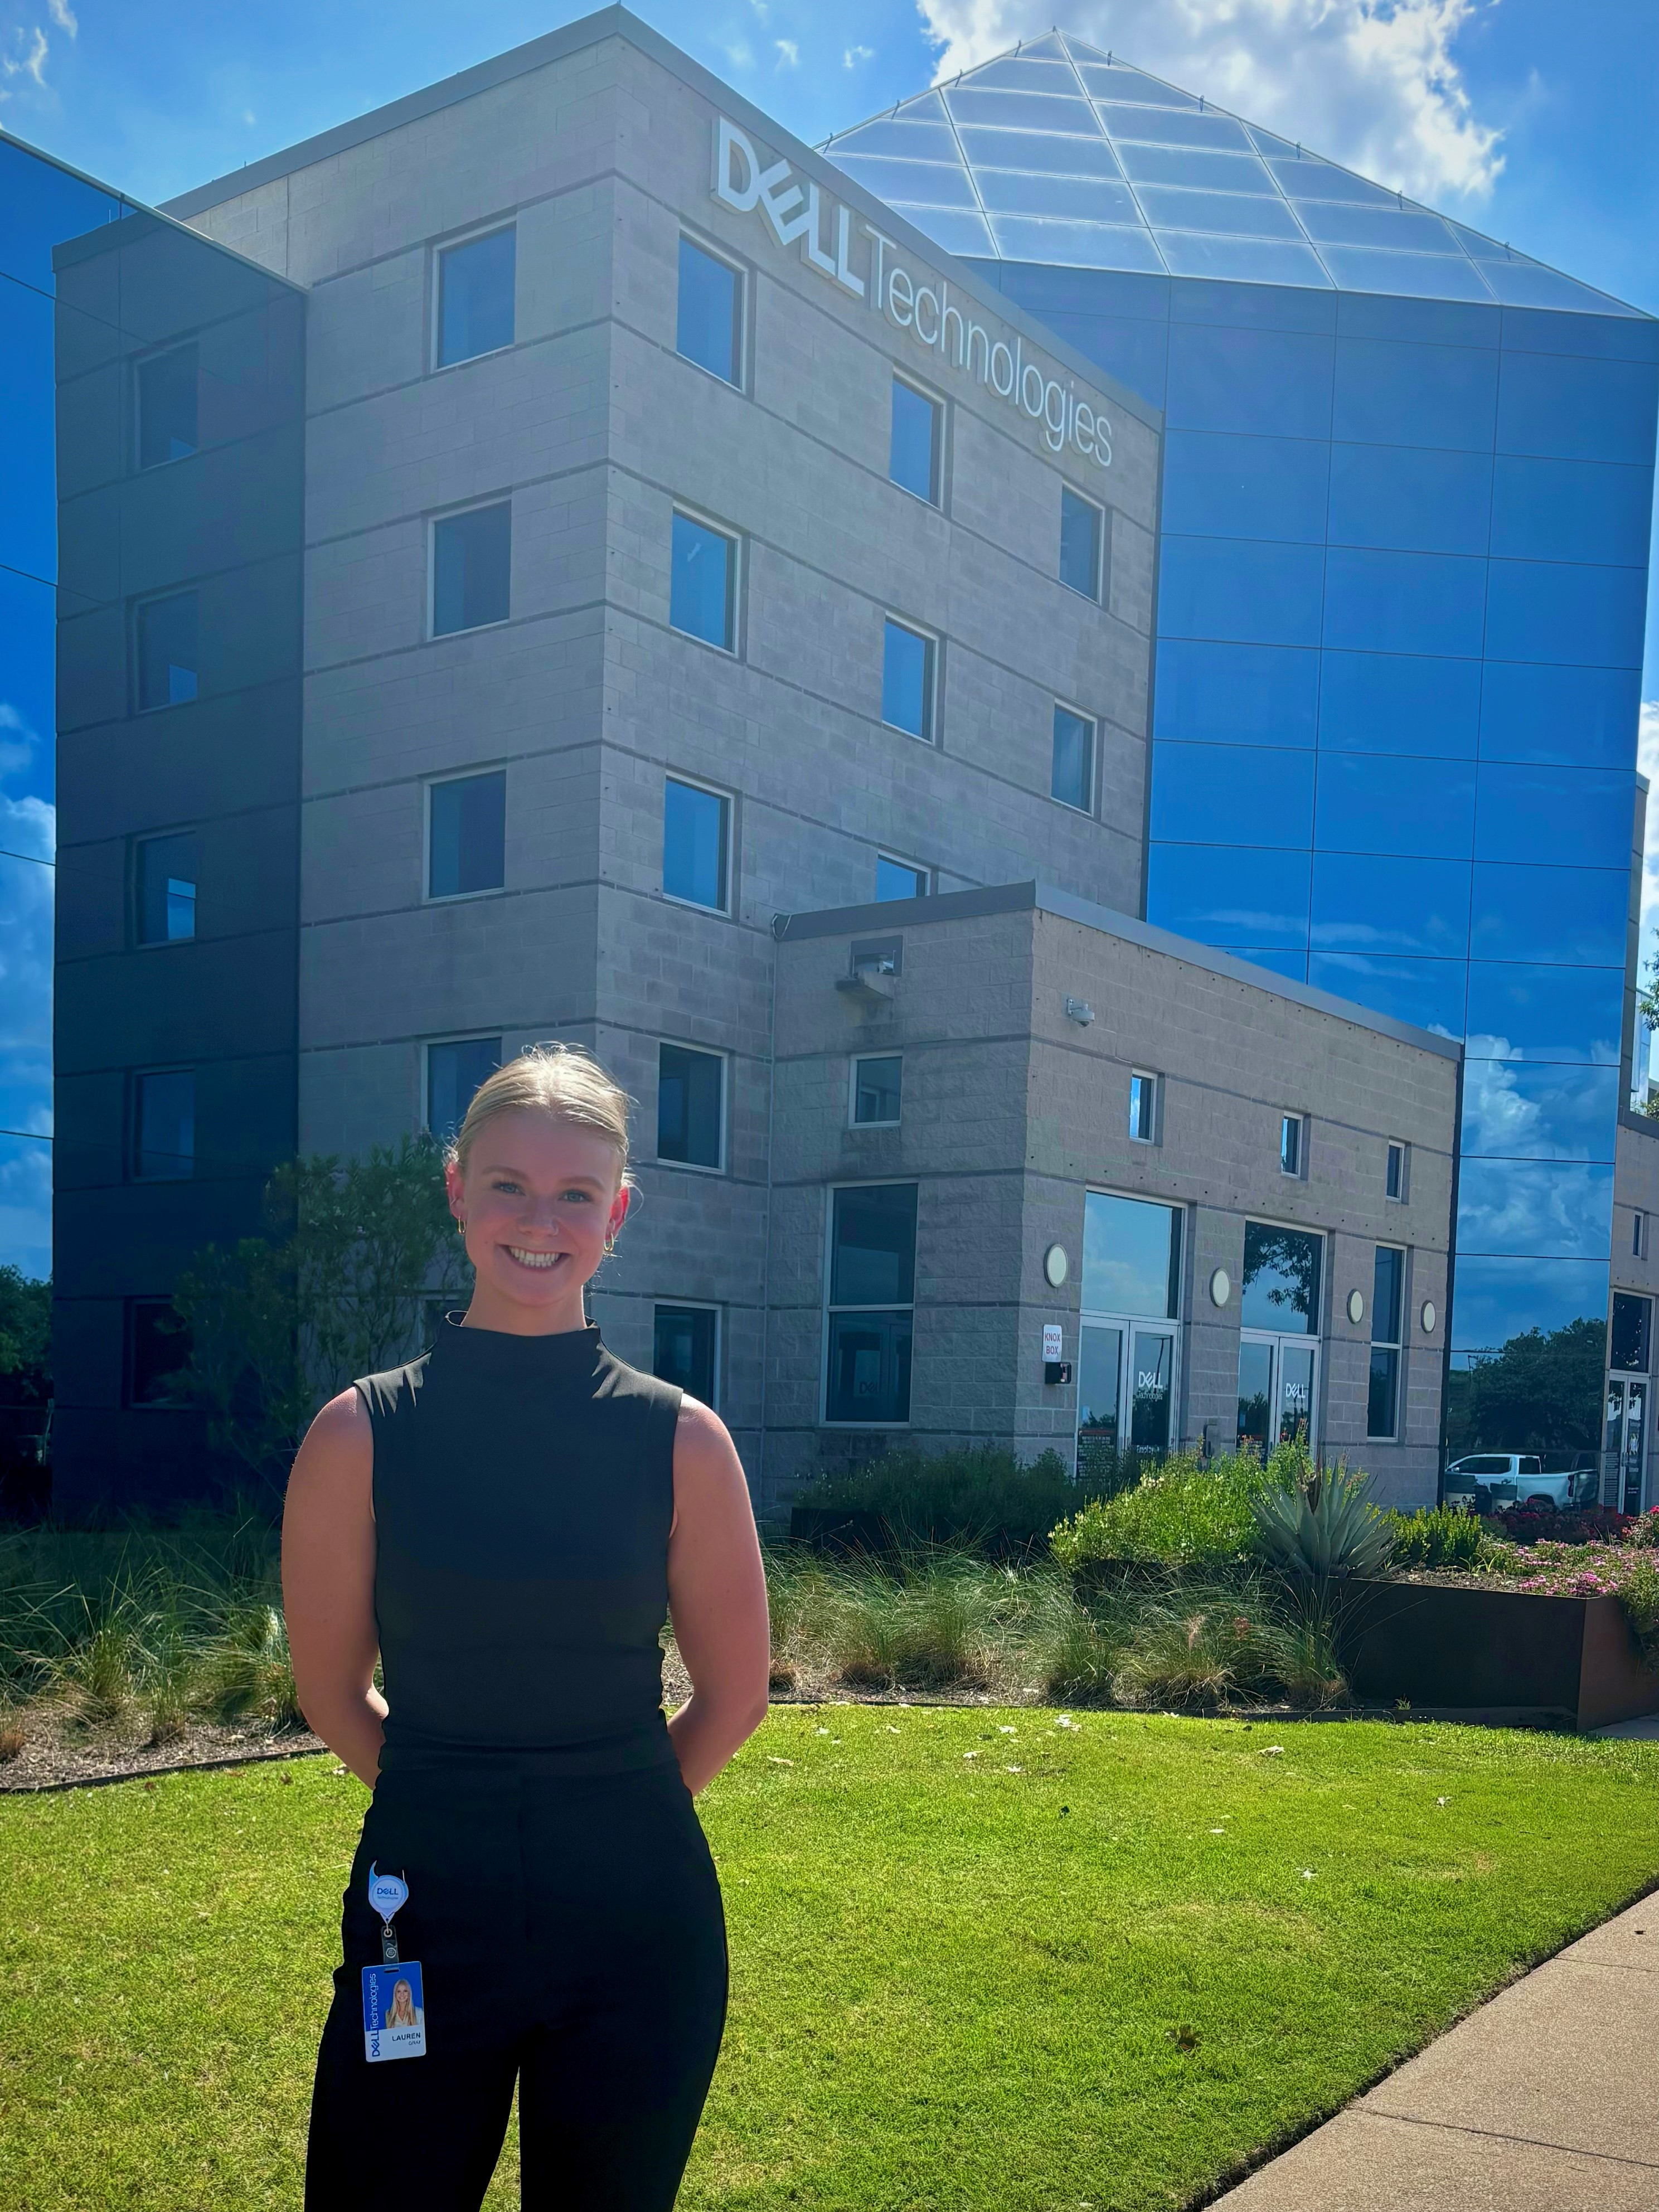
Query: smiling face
[{"x": 535, "y": 1201}]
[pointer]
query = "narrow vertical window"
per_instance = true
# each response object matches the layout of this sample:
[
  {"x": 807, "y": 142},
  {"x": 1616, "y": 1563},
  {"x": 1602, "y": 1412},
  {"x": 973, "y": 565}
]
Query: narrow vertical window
[
  {"x": 1082, "y": 535},
  {"x": 453, "y": 1072},
  {"x": 1292, "y": 1145},
  {"x": 1638, "y": 1237},
  {"x": 708, "y": 319},
  {"x": 702, "y": 583},
  {"x": 466, "y": 834},
  {"x": 872, "y": 1275},
  {"x": 690, "y": 1107},
  {"x": 1395, "y": 1182},
  {"x": 165, "y": 891},
  {"x": 1071, "y": 780},
  {"x": 1143, "y": 1108},
  {"x": 166, "y": 649},
  {"x": 471, "y": 568},
  {"x": 907, "y": 680},
  {"x": 167, "y": 385},
  {"x": 685, "y": 1348},
  {"x": 877, "y": 1082},
  {"x": 697, "y": 838},
  {"x": 1388, "y": 1305},
  {"x": 475, "y": 297},
  {"x": 900, "y": 879},
  {"x": 164, "y": 1125},
  {"x": 913, "y": 449}
]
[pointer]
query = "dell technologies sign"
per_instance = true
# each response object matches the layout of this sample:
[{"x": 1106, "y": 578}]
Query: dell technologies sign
[{"x": 795, "y": 210}]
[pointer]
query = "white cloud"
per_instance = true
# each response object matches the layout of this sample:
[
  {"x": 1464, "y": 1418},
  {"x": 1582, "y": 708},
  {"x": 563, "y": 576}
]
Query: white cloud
[
  {"x": 740, "y": 55},
  {"x": 30, "y": 57},
  {"x": 788, "y": 53},
  {"x": 63, "y": 16},
  {"x": 1373, "y": 83},
  {"x": 854, "y": 55},
  {"x": 17, "y": 741}
]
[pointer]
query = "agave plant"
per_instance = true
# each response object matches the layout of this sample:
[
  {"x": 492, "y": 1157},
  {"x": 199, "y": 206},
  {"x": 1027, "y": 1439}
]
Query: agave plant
[{"x": 1324, "y": 1526}]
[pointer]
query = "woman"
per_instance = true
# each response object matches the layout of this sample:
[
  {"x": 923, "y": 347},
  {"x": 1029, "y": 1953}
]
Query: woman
[{"x": 506, "y": 1520}]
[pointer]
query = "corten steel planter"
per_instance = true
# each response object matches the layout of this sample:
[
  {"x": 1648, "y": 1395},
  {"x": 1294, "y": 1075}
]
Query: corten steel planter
[{"x": 1505, "y": 1656}]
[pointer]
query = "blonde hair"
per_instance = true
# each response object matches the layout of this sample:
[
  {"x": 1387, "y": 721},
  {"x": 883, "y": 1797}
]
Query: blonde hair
[{"x": 564, "y": 1082}]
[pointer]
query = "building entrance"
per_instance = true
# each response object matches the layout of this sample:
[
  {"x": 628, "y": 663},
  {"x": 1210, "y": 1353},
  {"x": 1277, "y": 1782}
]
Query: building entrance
[
  {"x": 1278, "y": 1390},
  {"x": 1626, "y": 1442}
]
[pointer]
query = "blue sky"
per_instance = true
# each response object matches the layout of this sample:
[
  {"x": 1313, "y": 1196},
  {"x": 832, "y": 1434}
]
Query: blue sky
[{"x": 1535, "y": 120}]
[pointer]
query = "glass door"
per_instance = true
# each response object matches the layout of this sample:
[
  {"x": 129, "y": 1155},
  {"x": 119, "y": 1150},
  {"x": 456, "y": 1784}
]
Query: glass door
[
  {"x": 1099, "y": 1375},
  {"x": 1255, "y": 1392},
  {"x": 1626, "y": 1441},
  {"x": 1298, "y": 1365},
  {"x": 1278, "y": 1391},
  {"x": 1153, "y": 1375}
]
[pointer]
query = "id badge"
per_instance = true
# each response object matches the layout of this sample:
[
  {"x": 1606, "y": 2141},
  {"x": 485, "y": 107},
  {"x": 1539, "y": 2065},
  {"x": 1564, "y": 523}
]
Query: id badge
[{"x": 394, "y": 2012}]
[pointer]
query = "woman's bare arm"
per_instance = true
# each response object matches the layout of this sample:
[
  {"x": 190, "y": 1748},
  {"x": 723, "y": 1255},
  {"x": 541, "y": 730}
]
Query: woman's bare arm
[
  {"x": 328, "y": 1583},
  {"x": 717, "y": 1598}
]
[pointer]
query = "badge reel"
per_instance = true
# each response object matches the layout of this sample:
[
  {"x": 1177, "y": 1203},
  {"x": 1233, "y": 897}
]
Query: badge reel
[{"x": 394, "y": 2009}]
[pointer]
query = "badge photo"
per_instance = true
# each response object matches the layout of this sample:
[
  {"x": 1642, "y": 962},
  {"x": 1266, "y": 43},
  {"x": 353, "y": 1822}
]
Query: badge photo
[{"x": 394, "y": 2013}]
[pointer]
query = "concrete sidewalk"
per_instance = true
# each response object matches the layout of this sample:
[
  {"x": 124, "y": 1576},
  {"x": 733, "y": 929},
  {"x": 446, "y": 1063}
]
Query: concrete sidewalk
[{"x": 1544, "y": 2100}]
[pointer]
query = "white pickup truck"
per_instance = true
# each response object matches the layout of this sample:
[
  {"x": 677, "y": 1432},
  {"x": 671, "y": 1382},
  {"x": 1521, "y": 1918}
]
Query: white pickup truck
[{"x": 1518, "y": 1479}]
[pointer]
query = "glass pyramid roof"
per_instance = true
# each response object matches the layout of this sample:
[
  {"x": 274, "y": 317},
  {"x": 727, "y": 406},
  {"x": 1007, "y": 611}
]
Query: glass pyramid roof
[{"x": 1059, "y": 153}]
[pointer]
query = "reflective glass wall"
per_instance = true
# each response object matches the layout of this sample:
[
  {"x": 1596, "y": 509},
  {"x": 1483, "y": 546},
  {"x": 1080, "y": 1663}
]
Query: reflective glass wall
[
  {"x": 1404, "y": 576},
  {"x": 151, "y": 529}
]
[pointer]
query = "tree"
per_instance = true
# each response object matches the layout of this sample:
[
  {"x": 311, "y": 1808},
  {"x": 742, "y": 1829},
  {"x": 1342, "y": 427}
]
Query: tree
[
  {"x": 1647, "y": 1011},
  {"x": 26, "y": 1333},
  {"x": 1540, "y": 1392},
  {"x": 341, "y": 1286}
]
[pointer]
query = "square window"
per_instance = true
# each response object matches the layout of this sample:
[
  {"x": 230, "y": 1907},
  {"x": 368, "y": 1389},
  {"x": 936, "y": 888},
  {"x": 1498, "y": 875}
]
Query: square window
[
  {"x": 158, "y": 1347},
  {"x": 453, "y": 1072},
  {"x": 1143, "y": 1108},
  {"x": 876, "y": 1090},
  {"x": 869, "y": 1368},
  {"x": 166, "y": 889},
  {"x": 696, "y": 837},
  {"x": 907, "y": 680},
  {"x": 475, "y": 297},
  {"x": 164, "y": 1125},
  {"x": 166, "y": 393},
  {"x": 708, "y": 321},
  {"x": 900, "y": 879},
  {"x": 684, "y": 1348},
  {"x": 1081, "y": 534},
  {"x": 466, "y": 834},
  {"x": 471, "y": 568},
  {"x": 1394, "y": 1185},
  {"x": 690, "y": 1106},
  {"x": 165, "y": 642},
  {"x": 913, "y": 460},
  {"x": 1072, "y": 778},
  {"x": 1291, "y": 1147},
  {"x": 702, "y": 583}
]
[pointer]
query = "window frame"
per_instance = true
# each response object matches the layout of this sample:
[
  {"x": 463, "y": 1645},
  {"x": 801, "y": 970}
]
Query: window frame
[
  {"x": 440, "y": 247},
  {"x": 140, "y": 606},
  {"x": 1397, "y": 1149},
  {"x": 498, "y": 1037},
  {"x": 723, "y": 1120},
  {"x": 136, "y": 938},
  {"x": 928, "y": 735},
  {"x": 434, "y": 521},
  {"x": 1089, "y": 809},
  {"x": 1171, "y": 1327},
  {"x": 1396, "y": 1344},
  {"x": 740, "y": 269},
  {"x": 829, "y": 1310},
  {"x": 915, "y": 867},
  {"x": 140, "y": 363},
  {"x": 729, "y": 800},
  {"x": 855, "y": 1061},
  {"x": 130, "y": 1402},
  {"x": 935, "y": 499},
  {"x": 1638, "y": 1238},
  {"x": 137, "y": 1080},
  {"x": 1290, "y": 1120},
  {"x": 733, "y": 650},
  {"x": 1155, "y": 1135},
  {"x": 428, "y": 785},
  {"x": 695, "y": 1305},
  {"x": 1098, "y": 596}
]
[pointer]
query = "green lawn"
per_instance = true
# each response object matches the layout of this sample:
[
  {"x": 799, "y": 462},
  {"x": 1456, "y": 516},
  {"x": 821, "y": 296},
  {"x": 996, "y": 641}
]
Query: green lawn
[{"x": 955, "y": 1985}]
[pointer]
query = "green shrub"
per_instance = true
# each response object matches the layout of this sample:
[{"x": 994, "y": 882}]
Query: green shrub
[
  {"x": 1191, "y": 1512},
  {"x": 1441, "y": 1537},
  {"x": 965, "y": 1498}
]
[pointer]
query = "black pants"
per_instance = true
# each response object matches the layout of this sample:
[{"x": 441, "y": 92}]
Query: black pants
[{"x": 571, "y": 1938}]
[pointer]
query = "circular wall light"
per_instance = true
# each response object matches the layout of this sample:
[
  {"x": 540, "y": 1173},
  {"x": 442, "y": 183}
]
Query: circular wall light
[
  {"x": 1428, "y": 1316},
  {"x": 1356, "y": 1307},
  {"x": 1056, "y": 1265},
  {"x": 1221, "y": 1287}
]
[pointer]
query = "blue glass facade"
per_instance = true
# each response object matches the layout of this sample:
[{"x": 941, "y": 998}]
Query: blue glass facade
[{"x": 1408, "y": 479}]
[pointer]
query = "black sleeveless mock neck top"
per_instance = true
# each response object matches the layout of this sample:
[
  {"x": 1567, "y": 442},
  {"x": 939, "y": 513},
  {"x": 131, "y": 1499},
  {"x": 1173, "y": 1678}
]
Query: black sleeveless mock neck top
[{"x": 524, "y": 1486}]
